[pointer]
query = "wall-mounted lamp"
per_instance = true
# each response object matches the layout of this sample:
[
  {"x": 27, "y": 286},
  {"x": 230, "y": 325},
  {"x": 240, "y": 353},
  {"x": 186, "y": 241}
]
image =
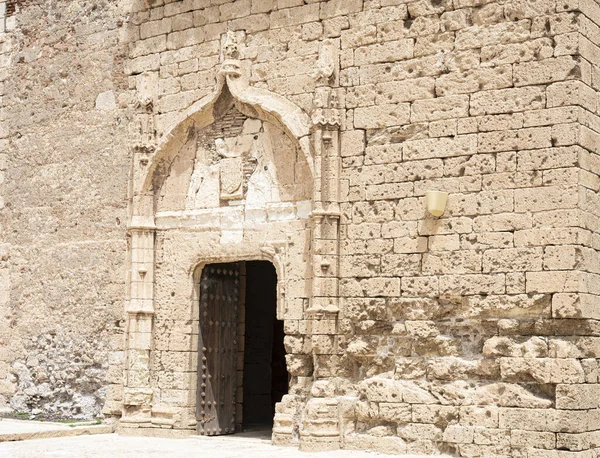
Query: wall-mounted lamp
[{"x": 436, "y": 202}]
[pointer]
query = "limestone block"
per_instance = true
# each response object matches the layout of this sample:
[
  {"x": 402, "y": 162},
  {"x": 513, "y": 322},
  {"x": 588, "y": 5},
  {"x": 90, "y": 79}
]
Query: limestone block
[
  {"x": 578, "y": 397},
  {"x": 533, "y": 347},
  {"x": 455, "y": 20},
  {"x": 405, "y": 91},
  {"x": 334, "y": 8},
  {"x": 451, "y": 368},
  {"x": 440, "y": 108},
  {"x": 262, "y": 6},
  {"x": 570, "y": 305},
  {"x": 389, "y": 191},
  {"x": 405, "y": 171},
  {"x": 496, "y": 437},
  {"x": 106, "y": 101},
  {"x": 583, "y": 441},
  {"x": 546, "y": 71},
  {"x": 416, "y": 431},
  {"x": 154, "y": 28},
  {"x": 444, "y": 128},
  {"x": 517, "y": 306},
  {"x": 299, "y": 365},
  {"x": 435, "y": 414},
  {"x": 377, "y": 211},
  {"x": 516, "y": 139},
  {"x": 182, "y": 21},
  {"x": 517, "y": 259},
  {"x": 456, "y": 262},
  {"x": 388, "y": 52},
  {"x": 386, "y": 444},
  {"x": 295, "y": 16},
  {"x": 517, "y": 52},
  {"x": 574, "y": 347},
  {"x": 571, "y": 93},
  {"x": 458, "y": 285},
  {"x": 486, "y": 240},
  {"x": 525, "y": 419},
  {"x": 480, "y": 203},
  {"x": 149, "y": 46},
  {"x": 333, "y": 27},
  {"x": 206, "y": 18},
  {"x": 474, "y": 80},
  {"x": 502, "y": 222},
  {"x": 381, "y": 116},
  {"x": 456, "y": 434},
  {"x": 403, "y": 263},
  {"x": 504, "y": 32},
  {"x": 235, "y": 10},
  {"x": 384, "y": 154},
  {"x": 352, "y": 143},
  {"x": 424, "y": 25},
  {"x": 424, "y": 7},
  {"x": 360, "y": 95},
  {"x": 481, "y": 416},
  {"x": 137, "y": 396},
  {"x": 548, "y": 158},
  {"x": 440, "y": 147},
  {"x": 553, "y": 282},
  {"x": 508, "y": 100},
  {"x": 540, "y": 440},
  {"x": 251, "y": 24},
  {"x": 554, "y": 24},
  {"x": 395, "y": 412},
  {"x": 550, "y": 116},
  {"x": 181, "y": 39},
  {"x": 542, "y": 370}
]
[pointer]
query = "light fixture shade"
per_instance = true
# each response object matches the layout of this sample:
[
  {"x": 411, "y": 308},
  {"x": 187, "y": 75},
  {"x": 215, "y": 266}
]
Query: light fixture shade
[{"x": 436, "y": 202}]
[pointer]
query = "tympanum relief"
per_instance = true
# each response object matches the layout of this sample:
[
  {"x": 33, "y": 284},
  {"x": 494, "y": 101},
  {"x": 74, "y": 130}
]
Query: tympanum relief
[{"x": 235, "y": 161}]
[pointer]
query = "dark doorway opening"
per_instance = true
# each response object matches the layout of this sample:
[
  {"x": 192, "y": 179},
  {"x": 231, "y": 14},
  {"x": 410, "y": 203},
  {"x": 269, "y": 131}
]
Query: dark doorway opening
[
  {"x": 265, "y": 378},
  {"x": 242, "y": 372}
]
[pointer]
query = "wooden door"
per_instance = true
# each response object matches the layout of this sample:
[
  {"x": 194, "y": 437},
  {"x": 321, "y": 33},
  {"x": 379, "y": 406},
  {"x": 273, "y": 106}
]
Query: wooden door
[{"x": 217, "y": 349}]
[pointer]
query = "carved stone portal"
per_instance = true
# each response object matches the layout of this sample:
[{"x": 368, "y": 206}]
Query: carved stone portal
[{"x": 235, "y": 161}]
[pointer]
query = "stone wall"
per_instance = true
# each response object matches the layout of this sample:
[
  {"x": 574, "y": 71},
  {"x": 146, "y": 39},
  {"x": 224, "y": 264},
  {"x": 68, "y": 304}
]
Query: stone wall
[
  {"x": 474, "y": 334},
  {"x": 65, "y": 161}
]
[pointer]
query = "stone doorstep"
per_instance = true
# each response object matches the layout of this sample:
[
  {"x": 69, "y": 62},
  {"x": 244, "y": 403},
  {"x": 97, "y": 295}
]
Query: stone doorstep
[{"x": 20, "y": 430}]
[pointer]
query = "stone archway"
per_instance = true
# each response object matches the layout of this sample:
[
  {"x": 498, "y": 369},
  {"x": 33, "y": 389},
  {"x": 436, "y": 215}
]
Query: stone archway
[{"x": 190, "y": 204}]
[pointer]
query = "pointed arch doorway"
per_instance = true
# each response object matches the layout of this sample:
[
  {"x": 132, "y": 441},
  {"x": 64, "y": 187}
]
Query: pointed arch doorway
[{"x": 241, "y": 356}]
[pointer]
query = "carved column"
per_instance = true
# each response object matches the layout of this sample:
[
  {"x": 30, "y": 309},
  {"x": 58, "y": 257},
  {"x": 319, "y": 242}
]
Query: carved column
[
  {"x": 137, "y": 395},
  {"x": 137, "y": 392},
  {"x": 326, "y": 212},
  {"x": 320, "y": 427}
]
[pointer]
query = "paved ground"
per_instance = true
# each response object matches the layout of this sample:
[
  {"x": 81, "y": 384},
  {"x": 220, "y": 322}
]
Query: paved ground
[{"x": 112, "y": 445}]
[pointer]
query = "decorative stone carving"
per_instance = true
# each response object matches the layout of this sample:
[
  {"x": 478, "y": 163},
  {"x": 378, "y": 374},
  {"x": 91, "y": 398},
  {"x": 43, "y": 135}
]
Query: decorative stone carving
[
  {"x": 230, "y": 52},
  {"x": 231, "y": 172},
  {"x": 145, "y": 112},
  {"x": 326, "y": 120},
  {"x": 326, "y": 63},
  {"x": 326, "y": 114},
  {"x": 222, "y": 172}
]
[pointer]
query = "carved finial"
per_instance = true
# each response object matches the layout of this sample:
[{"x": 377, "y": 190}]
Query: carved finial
[
  {"x": 231, "y": 65},
  {"x": 326, "y": 63},
  {"x": 231, "y": 49},
  {"x": 146, "y": 92},
  {"x": 326, "y": 108}
]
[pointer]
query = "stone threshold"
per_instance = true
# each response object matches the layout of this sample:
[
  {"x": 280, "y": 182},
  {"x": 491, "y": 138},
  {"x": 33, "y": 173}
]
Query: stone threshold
[{"x": 20, "y": 430}]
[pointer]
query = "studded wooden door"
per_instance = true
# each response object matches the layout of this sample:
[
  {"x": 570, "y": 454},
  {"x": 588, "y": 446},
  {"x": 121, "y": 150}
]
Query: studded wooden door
[{"x": 217, "y": 349}]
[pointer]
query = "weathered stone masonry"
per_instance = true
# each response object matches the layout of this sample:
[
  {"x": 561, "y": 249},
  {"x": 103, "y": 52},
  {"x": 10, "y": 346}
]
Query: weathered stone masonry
[{"x": 146, "y": 140}]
